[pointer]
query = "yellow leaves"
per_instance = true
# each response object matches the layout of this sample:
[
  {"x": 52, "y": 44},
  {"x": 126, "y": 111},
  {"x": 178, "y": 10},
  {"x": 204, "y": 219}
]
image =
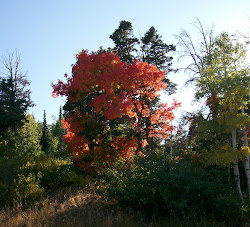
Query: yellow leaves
[
  {"x": 219, "y": 158},
  {"x": 29, "y": 165},
  {"x": 232, "y": 119},
  {"x": 28, "y": 186},
  {"x": 245, "y": 151},
  {"x": 224, "y": 155},
  {"x": 46, "y": 162}
]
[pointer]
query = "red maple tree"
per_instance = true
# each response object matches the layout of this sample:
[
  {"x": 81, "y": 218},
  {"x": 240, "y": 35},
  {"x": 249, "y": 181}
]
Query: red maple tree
[{"x": 104, "y": 93}]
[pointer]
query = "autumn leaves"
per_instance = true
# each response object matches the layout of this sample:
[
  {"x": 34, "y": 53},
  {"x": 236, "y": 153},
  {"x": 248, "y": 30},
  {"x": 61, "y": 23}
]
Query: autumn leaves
[{"x": 113, "y": 107}]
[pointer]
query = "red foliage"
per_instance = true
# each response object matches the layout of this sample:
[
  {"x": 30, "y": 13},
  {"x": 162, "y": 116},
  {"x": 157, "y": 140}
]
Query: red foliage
[
  {"x": 213, "y": 102},
  {"x": 118, "y": 90}
]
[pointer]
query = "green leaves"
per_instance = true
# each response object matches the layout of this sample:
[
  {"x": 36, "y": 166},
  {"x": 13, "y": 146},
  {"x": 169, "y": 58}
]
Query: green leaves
[
  {"x": 158, "y": 186},
  {"x": 224, "y": 72}
]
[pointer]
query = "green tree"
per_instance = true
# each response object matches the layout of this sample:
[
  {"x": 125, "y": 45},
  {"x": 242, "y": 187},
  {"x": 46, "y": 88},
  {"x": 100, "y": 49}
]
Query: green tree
[
  {"x": 28, "y": 139},
  {"x": 45, "y": 140},
  {"x": 227, "y": 73},
  {"x": 14, "y": 95},
  {"x": 57, "y": 132},
  {"x": 222, "y": 80},
  {"x": 154, "y": 51},
  {"x": 125, "y": 42},
  {"x": 12, "y": 108}
]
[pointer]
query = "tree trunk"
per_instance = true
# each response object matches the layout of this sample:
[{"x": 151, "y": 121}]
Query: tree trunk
[
  {"x": 246, "y": 163},
  {"x": 247, "y": 158},
  {"x": 149, "y": 139},
  {"x": 236, "y": 167}
]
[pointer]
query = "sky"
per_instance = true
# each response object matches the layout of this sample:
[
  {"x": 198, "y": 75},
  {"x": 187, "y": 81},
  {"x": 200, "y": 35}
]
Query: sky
[{"x": 49, "y": 33}]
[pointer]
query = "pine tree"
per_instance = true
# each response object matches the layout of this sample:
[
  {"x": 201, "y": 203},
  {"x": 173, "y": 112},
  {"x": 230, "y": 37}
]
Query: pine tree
[
  {"x": 45, "y": 139},
  {"x": 154, "y": 51},
  {"x": 125, "y": 41},
  {"x": 12, "y": 108},
  {"x": 58, "y": 132},
  {"x": 14, "y": 95}
]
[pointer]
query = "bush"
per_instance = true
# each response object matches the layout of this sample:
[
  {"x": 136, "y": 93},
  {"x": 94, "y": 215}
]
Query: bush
[
  {"x": 158, "y": 186},
  {"x": 58, "y": 173},
  {"x": 28, "y": 189},
  {"x": 28, "y": 180}
]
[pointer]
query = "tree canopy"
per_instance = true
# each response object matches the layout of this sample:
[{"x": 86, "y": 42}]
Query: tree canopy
[{"x": 105, "y": 93}]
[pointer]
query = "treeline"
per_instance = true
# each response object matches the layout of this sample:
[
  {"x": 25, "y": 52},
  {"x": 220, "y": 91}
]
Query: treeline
[
  {"x": 33, "y": 158},
  {"x": 117, "y": 130}
]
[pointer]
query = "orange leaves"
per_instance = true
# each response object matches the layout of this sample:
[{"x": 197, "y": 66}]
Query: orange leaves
[
  {"x": 76, "y": 144},
  {"x": 163, "y": 116},
  {"x": 126, "y": 147},
  {"x": 145, "y": 81},
  {"x": 144, "y": 143},
  {"x": 103, "y": 90}
]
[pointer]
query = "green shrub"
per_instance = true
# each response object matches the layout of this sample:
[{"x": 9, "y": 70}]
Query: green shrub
[
  {"x": 173, "y": 188},
  {"x": 58, "y": 173},
  {"x": 27, "y": 188},
  {"x": 29, "y": 179}
]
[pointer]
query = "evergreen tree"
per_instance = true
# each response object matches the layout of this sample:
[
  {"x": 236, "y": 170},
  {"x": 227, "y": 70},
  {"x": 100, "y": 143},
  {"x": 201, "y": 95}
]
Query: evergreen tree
[
  {"x": 45, "y": 139},
  {"x": 152, "y": 49},
  {"x": 14, "y": 96},
  {"x": 58, "y": 132},
  {"x": 12, "y": 116},
  {"x": 125, "y": 41},
  {"x": 12, "y": 108}
]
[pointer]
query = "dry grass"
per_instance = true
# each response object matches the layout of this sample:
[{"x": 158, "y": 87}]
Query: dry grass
[{"x": 82, "y": 208}]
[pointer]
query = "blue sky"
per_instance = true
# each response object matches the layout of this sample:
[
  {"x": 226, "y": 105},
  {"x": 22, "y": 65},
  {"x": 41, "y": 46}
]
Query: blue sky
[{"x": 49, "y": 33}]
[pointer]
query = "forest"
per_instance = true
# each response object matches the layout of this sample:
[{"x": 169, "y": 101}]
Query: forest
[{"x": 113, "y": 156}]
